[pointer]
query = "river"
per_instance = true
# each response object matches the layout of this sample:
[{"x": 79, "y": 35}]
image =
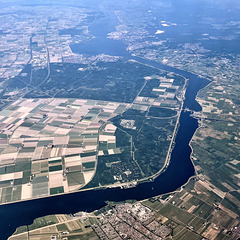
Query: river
[{"x": 177, "y": 173}]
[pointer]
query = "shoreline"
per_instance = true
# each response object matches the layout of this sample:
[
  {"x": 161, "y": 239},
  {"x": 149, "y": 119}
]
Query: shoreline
[
  {"x": 143, "y": 180},
  {"x": 85, "y": 199},
  {"x": 120, "y": 185}
]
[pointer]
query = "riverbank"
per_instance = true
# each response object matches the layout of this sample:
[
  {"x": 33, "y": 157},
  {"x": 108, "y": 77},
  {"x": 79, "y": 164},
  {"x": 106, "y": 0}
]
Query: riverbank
[{"x": 179, "y": 170}]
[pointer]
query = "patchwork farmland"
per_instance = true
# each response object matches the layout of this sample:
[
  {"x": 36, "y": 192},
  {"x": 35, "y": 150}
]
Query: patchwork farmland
[{"x": 50, "y": 146}]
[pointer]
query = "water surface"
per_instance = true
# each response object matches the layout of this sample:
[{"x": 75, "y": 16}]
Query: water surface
[{"x": 177, "y": 173}]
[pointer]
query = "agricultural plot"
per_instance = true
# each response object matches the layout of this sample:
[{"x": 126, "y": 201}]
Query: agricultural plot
[
  {"x": 57, "y": 226},
  {"x": 215, "y": 155},
  {"x": 216, "y": 152},
  {"x": 190, "y": 217},
  {"x": 50, "y": 146},
  {"x": 162, "y": 91},
  {"x": 120, "y": 133},
  {"x": 216, "y": 102}
]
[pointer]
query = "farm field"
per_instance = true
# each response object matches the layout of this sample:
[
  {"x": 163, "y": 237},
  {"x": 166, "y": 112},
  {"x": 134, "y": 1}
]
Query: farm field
[
  {"x": 66, "y": 143},
  {"x": 50, "y": 146}
]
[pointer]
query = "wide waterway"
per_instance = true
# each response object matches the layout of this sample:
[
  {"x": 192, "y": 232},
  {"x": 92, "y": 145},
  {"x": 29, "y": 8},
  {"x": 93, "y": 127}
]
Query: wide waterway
[{"x": 178, "y": 172}]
